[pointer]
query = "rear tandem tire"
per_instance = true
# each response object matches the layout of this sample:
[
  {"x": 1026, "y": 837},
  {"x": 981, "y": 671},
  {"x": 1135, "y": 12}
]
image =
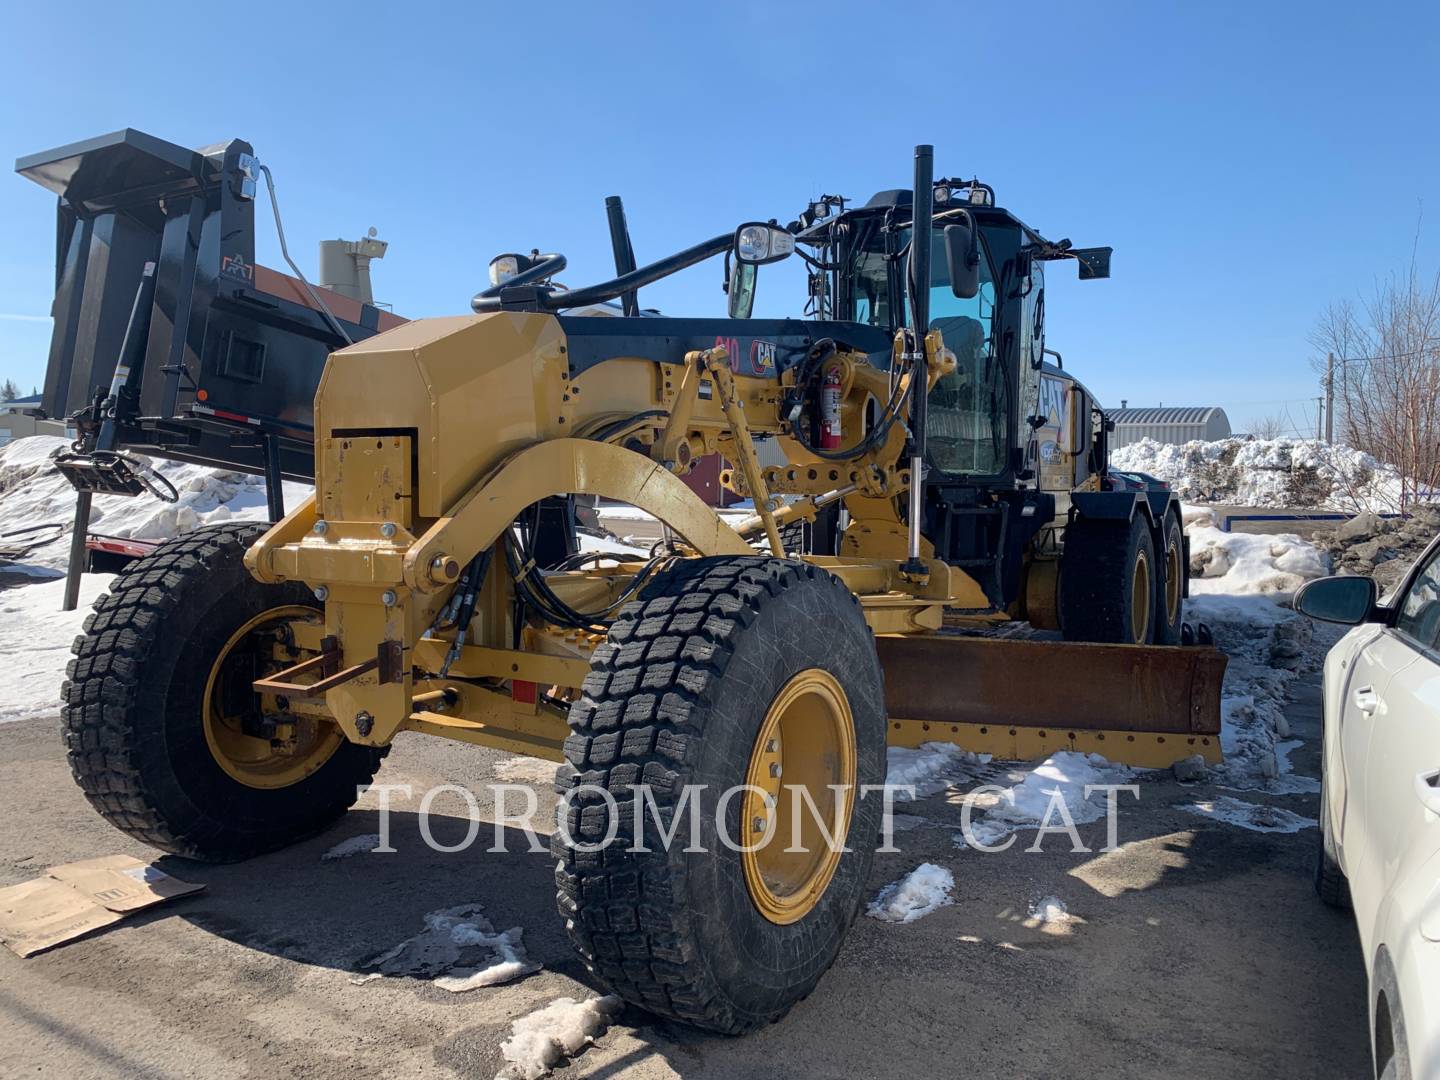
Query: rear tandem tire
[
  {"x": 1108, "y": 582},
  {"x": 1170, "y": 573},
  {"x": 683, "y": 693},
  {"x": 135, "y": 699}
]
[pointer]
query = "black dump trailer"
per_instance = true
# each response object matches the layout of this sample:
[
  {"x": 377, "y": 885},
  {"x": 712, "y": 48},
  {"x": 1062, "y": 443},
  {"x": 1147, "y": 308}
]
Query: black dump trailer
[{"x": 168, "y": 338}]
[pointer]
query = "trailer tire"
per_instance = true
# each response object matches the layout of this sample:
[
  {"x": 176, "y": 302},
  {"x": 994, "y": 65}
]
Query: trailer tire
[
  {"x": 689, "y": 687},
  {"x": 1107, "y": 581},
  {"x": 138, "y": 700},
  {"x": 1171, "y": 569}
]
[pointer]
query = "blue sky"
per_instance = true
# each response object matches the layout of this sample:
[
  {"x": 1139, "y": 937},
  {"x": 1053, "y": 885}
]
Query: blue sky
[{"x": 1248, "y": 162}]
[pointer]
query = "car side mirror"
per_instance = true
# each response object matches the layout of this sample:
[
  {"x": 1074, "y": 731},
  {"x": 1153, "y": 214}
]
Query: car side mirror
[
  {"x": 962, "y": 256},
  {"x": 741, "y": 290},
  {"x": 1348, "y": 600}
]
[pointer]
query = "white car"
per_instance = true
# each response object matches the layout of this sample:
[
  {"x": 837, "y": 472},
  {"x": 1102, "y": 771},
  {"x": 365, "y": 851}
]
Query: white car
[{"x": 1379, "y": 836}]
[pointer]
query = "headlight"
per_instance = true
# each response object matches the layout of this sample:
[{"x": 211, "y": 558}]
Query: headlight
[
  {"x": 758, "y": 243},
  {"x": 503, "y": 268}
]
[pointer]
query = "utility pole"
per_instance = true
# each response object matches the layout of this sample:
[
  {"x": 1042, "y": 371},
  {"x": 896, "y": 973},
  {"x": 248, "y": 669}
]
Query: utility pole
[
  {"x": 1330, "y": 397},
  {"x": 1319, "y": 419}
]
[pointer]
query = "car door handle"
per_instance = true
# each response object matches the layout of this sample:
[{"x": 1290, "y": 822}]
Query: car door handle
[
  {"x": 1366, "y": 701},
  {"x": 1427, "y": 792}
]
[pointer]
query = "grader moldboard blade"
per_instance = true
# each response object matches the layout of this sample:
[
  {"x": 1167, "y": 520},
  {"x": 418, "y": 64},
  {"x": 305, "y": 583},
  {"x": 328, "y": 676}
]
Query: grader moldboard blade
[{"x": 1139, "y": 705}]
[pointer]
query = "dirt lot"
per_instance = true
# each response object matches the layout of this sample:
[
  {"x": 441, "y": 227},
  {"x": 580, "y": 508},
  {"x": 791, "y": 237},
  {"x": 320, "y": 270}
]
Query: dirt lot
[{"x": 1199, "y": 950}]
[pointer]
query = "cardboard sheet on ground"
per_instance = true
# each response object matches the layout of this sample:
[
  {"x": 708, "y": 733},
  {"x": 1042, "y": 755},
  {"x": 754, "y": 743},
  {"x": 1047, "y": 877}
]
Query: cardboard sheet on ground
[{"x": 81, "y": 897}]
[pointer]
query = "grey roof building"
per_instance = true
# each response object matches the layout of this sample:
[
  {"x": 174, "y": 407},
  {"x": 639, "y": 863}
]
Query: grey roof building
[{"x": 1169, "y": 424}]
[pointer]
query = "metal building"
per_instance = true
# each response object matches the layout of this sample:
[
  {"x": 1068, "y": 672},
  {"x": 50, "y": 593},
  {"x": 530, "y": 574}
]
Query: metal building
[{"x": 1169, "y": 425}]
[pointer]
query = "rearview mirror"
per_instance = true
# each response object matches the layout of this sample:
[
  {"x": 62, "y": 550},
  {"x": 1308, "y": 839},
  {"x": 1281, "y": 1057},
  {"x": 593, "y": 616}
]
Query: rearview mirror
[
  {"x": 1094, "y": 262},
  {"x": 1347, "y": 600},
  {"x": 757, "y": 243},
  {"x": 963, "y": 258},
  {"x": 741, "y": 290}
]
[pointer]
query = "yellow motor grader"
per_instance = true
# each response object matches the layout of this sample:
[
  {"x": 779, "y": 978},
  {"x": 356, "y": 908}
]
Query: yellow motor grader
[{"x": 236, "y": 688}]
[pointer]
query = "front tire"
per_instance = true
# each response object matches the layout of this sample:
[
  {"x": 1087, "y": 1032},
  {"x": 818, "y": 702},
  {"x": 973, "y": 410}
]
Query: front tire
[
  {"x": 161, "y": 727},
  {"x": 729, "y": 671}
]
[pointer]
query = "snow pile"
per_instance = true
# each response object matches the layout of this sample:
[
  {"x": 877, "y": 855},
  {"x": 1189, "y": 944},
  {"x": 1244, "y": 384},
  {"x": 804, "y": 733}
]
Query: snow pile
[
  {"x": 32, "y": 492},
  {"x": 1268, "y": 646},
  {"x": 1254, "y": 816},
  {"x": 458, "y": 949},
  {"x": 1049, "y": 911},
  {"x": 1267, "y": 472},
  {"x": 923, "y": 890},
  {"x": 1242, "y": 563},
  {"x": 543, "y": 1039},
  {"x": 1053, "y": 793},
  {"x": 356, "y": 845},
  {"x": 35, "y": 641},
  {"x": 930, "y": 768}
]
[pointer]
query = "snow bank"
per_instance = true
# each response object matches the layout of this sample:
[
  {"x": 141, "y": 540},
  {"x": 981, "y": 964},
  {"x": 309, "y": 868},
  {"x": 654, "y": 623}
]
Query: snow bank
[
  {"x": 543, "y": 1039},
  {"x": 1254, "y": 816},
  {"x": 923, "y": 890},
  {"x": 458, "y": 949},
  {"x": 35, "y": 641},
  {"x": 930, "y": 768},
  {"x": 1059, "y": 781},
  {"x": 1267, "y": 472},
  {"x": 1245, "y": 563},
  {"x": 33, "y": 493},
  {"x": 1268, "y": 646}
]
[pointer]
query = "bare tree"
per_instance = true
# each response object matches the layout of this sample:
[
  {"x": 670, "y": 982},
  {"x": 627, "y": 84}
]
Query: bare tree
[
  {"x": 1271, "y": 426},
  {"x": 1387, "y": 377}
]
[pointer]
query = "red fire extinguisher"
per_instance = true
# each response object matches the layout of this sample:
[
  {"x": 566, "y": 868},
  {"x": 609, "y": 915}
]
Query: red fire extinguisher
[{"x": 830, "y": 409}]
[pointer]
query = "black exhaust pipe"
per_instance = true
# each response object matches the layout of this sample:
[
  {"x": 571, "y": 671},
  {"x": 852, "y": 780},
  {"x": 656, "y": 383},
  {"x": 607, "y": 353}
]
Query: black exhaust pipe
[
  {"x": 624, "y": 252},
  {"x": 921, "y": 207}
]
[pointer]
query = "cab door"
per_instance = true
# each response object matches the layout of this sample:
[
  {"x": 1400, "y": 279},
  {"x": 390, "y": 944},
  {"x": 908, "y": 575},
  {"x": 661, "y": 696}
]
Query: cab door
[{"x": 1395, "y": 693}]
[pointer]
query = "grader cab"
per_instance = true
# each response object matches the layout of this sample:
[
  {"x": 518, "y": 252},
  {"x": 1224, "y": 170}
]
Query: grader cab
[{"x": 236, "y": 689}]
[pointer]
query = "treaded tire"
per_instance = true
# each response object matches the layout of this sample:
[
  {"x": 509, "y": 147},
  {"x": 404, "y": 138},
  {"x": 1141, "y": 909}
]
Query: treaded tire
[
  {"x": 677, "y": 696},
  {"x": 1331, "y": 884},
  {"x": 1097, "y": 593},
  {"x": 132, "y": 714},
  {"x": 1172, "y": 537}
]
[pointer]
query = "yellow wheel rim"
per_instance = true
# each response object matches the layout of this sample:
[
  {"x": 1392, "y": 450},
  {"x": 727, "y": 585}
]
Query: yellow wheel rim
[
  {"x": 806, "y": 742},
  {"x": 1174, "y": 581},
  {"x": 293, "y": 745},
  {"x": 1141, "y": 601}
]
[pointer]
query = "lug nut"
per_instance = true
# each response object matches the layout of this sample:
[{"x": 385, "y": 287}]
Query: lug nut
[
  {"x": 321, "y": 527},
  {"x": 387, "y": 530},
  {"x": 364, "y": 723},
  {"x": 758, "y": 825},
  {"x": 388, "y": 598},
  {"x": 775, "y": 770},
  {"x": 321, "y": 592}
]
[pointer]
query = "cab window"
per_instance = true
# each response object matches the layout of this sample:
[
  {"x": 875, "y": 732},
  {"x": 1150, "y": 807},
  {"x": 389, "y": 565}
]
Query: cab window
[{"x": 965, "y": 427}]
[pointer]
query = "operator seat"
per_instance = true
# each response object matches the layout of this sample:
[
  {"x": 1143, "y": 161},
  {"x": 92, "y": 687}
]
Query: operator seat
[{"x": 959, "y": 427}]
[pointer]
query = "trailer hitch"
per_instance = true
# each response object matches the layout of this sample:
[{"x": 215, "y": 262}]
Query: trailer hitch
[{"x": 107, "y": 472}]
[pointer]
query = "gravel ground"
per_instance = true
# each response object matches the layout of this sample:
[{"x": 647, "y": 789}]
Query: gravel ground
[{"x": 1195, "y": 950}]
